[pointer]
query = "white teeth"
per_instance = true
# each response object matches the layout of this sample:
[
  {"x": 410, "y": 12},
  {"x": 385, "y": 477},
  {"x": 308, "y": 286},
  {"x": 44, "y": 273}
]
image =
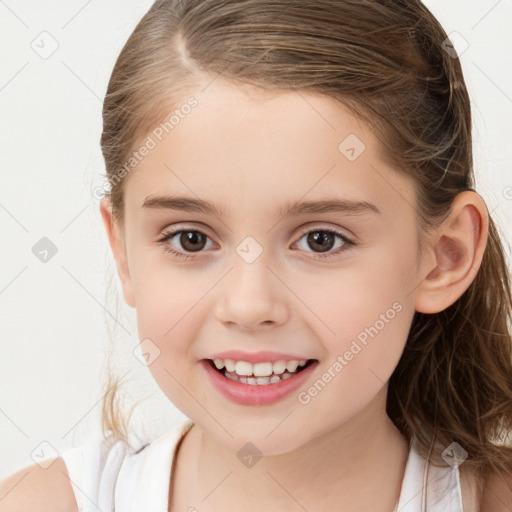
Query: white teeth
[
  {"x": 243, "y": 368},
  {"x": 258, "y": 381},
  {"x": 262, "y": 369},
  {"x": 291, "y": 366},
  {"x": 219, "y": 363},
  {"x": 279, "y": 367},
  {"x": 230, "y": 365},
  {"x": 258, "y": 374},
  {"x": 266, "y": 369}
]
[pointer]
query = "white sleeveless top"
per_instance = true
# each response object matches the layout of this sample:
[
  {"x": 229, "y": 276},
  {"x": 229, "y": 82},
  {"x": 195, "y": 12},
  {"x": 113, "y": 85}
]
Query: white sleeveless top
[{"x": 108, "y": 477}]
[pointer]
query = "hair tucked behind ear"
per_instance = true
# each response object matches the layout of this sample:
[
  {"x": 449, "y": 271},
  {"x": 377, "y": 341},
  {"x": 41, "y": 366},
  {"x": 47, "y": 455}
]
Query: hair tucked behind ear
[
  {"x": 455, "y": 373},
  {"x": 383, "y": 59}
]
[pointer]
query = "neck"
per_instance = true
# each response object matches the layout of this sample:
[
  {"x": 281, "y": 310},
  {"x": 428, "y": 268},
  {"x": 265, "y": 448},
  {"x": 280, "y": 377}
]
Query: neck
[{"x": 336, "y": 468}]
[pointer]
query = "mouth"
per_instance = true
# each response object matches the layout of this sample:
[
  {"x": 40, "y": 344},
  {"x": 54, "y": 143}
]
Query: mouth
[
  {"x": 258, "y": 384},
  {"x": 257, "y": 378},
  {"x": 271, "y": 374}
]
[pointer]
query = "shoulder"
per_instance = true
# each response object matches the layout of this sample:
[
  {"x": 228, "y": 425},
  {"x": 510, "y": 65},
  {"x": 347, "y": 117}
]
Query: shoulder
[
  {"x": 39, "y": 490},
  {"x": 497, "y": 493}
]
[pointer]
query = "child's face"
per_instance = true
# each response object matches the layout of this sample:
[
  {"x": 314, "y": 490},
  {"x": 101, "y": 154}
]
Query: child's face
[{"x": 252, "y": 157}]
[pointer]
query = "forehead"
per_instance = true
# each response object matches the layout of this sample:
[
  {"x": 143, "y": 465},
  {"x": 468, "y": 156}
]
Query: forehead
[{"x": 248, "y": 148}]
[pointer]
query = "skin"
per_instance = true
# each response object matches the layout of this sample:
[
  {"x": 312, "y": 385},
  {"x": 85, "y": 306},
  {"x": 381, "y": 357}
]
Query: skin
[{"x": 251, "y": 153}]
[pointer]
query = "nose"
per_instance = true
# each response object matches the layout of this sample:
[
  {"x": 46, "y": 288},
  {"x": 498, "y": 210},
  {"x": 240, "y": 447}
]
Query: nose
[{"x": 252, "y": 297}]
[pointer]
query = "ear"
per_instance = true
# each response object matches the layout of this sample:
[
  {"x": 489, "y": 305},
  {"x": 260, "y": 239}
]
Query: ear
[
  {"x": 116, "y": 241},
  {"x": 456, "y": 249}
]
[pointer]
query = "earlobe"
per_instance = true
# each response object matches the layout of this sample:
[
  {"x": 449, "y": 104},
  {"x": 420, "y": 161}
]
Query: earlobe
[
  {"x": 458, "y": 247},
  {"x": 118, "y": 250}
]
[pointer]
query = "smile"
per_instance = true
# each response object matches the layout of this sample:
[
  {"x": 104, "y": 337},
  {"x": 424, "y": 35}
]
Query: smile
[
  {"x": 260, "y": 383},
  {"x": 259, "y": 374}
]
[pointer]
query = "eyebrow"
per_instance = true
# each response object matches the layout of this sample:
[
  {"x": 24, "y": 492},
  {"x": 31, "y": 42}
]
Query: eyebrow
[
  {"x": 182, "y": 203},
  {"x": 289, "y": 209}
]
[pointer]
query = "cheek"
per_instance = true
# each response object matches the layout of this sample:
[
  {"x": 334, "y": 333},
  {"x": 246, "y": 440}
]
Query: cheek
[
  {"x": 370, "y": 332},
  {"x": 170, "y": 300},
  {"x": 167, "y": 326},
  {"x": 167, "y": 295},
  {"x": 346, "y": 300},
  {"x": 363, "y": 316}
]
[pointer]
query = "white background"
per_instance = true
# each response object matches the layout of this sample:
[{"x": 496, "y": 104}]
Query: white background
[{"x": 53, "y": 330}]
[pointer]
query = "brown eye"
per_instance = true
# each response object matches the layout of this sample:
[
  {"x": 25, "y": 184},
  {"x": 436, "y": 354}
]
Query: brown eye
[
  {"x": 325, "y": 243},
  {"x": 192, "y": 240},
  {"x": 321, "y": 240},
  {"x": 188, "y": 242}
]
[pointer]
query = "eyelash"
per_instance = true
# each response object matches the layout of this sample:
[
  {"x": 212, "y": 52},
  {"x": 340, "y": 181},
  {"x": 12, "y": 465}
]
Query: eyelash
[{"x": 347, "y": 243}]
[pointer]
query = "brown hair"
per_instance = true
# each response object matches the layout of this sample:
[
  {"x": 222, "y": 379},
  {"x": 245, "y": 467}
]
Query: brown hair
[{"x": 386, "y": 61}]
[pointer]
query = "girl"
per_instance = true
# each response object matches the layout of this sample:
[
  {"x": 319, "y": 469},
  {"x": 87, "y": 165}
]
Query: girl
[{"x": 318, "y": 286}]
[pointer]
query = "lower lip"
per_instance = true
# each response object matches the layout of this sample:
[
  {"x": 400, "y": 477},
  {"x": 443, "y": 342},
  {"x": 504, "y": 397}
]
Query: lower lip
[{"x": 247, "y": 394}]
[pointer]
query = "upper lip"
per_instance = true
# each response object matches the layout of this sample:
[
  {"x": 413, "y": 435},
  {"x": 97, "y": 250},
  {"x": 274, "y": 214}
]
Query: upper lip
[{"x": 262, "y": 356}]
